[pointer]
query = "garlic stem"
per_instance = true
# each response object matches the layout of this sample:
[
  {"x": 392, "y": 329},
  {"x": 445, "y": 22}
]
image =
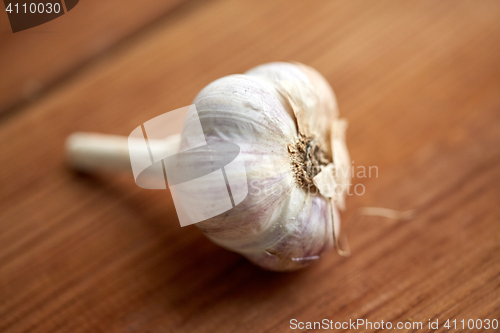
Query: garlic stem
[{"x": 93, "y": 151}]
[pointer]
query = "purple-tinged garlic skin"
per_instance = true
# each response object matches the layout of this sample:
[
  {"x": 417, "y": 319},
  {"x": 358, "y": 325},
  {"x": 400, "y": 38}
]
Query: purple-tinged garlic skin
[{"x": 281, "y": 225}]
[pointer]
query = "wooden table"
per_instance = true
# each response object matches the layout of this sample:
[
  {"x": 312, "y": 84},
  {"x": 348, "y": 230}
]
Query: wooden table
[{"x": 419, "y": 83}]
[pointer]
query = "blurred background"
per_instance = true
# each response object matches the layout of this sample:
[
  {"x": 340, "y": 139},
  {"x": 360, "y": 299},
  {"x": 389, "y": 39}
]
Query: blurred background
[{"x": 419, "y": 83}]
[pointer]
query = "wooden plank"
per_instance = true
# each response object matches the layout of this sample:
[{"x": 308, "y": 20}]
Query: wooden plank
[
  {"x": 419, "y": 85},
  {"x": 34, "y": 60}
]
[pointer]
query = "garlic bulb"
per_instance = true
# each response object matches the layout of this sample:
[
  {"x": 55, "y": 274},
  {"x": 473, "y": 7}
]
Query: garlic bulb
[{"x": 284, "y": 118}]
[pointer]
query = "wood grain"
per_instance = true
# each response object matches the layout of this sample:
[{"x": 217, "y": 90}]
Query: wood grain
[
  {"x": 419, "y": 83},
  {"x": 36, "y": 60}
]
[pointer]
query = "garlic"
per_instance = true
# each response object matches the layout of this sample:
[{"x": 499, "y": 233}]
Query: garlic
[{"x": 284, "y": 118}]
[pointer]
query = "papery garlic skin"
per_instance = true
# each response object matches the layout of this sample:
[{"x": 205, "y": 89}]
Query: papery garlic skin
[{"x": 280, "y": 225}]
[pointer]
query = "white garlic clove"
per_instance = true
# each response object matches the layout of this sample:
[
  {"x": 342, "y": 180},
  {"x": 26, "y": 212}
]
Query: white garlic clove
[{"x": 276, "y": 114}]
